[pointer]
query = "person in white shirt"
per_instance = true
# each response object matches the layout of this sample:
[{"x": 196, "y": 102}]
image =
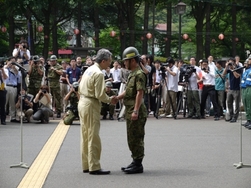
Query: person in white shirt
[
  {"x": 116, "y": 75},
  {"x": 172, "y": 88},
  {"x": 208, "y": 79},
  {"x": 22, "y": 52}
]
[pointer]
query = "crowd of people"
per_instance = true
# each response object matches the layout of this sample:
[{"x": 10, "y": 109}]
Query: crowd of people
[
  {"x": 35, "y": 88},
  {"x": 31, "y": 87}
]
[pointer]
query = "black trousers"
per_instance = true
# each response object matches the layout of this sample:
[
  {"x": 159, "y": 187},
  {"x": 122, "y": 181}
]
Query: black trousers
[
  {"x": 209, "y": 90},
  {"x": 2, "y": 105}
]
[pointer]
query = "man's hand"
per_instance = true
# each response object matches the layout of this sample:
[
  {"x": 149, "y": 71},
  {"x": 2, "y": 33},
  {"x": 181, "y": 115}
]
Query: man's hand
[{"x": 114, "y": 99}]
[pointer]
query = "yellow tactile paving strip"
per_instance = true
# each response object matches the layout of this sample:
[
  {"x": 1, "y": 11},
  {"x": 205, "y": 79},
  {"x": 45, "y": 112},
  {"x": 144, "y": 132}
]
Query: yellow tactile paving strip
[{"x": 37, "y": 173}]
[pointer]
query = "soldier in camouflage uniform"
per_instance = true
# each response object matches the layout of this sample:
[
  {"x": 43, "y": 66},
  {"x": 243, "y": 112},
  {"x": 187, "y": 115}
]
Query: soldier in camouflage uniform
[
  {"x": 54, "y": 73},
  {"x": 36, "y": 73},
  {"x": 136, "y": 113},
  {"x": 72, "y": 110},
  {"x": 108, "y": 107}
]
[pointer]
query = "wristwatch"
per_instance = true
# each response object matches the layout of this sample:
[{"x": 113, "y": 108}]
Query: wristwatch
[{"x": 135, "y": 111}]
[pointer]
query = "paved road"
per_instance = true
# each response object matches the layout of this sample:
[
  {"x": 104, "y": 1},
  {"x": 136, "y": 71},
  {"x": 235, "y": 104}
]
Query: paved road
[{"x": 178, "y": 154}]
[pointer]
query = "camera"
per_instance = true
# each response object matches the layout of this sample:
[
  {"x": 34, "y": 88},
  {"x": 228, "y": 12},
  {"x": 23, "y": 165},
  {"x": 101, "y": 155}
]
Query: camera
[
  {"x": 44, "y": 91},
  {"x": 2, "y": 63},
  {"x": 23, "y": 97},
  {"x": 204, "y": 69},
  {"x": 24, "y": 46},
  {"x": 230, "y": 64},
  {"x": 47, "y": 66},
  {"x": 185, "y": 72},
  {"x": 83, "y": 69}
]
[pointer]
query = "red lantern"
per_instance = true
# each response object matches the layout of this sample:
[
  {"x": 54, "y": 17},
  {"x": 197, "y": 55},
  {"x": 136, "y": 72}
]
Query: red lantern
[
  {"x": 236, "y": 39},
  {"x": 190, "y": 40},
  {"x": 46, "y": 37},
  {"x": 40, "y": 28},
  {"x": 185, "y": 36},
  {"x": 149, "y": 35},
  {"x": 166, "y": 39},
  {"x": 213, "y": 41},
  {"x": 112, "y": 33},
  {"x": 118, "y": 38},
  {"x": 76, "y": 31},
  {"x": 142, "y": 38},
  {"x": 4, "y": 29},
  {"x": 221, "y": 36}
]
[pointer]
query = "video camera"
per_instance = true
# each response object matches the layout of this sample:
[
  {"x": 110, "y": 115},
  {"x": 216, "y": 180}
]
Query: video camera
[
  {"x": 162, "y": 71},
  {"x": 185, "y": 72}
]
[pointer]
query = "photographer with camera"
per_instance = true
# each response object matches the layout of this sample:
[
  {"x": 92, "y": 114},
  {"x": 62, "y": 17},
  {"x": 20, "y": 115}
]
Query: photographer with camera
[
  {"x": 26, "y": 110},
  {"x": 44, "y": 100},
  {"x": 11, "y": 84},
  {"x": 172, "y": 88},
  {"x": 3, "y": 77},
  {"x": 23, "y": 52},
  {"x": 193, "y": 99},
  {"x": 36, "y": 74},
  {"x": 233, "y": 92},
  {"x": 72, "y": 110},
  {"x": 54, "y": 72},
  {"x": 208, "y": 79}
]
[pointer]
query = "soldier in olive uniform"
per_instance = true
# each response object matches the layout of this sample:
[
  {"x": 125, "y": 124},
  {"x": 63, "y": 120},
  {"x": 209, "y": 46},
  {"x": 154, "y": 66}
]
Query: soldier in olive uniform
[
  {"x": 72, "y": 110},
  {"x": 36, "y": 73},
  {"x": 108, "y": 107},
  {"x": 54, "y": 73},
  {"x": 136, "y": 113}
]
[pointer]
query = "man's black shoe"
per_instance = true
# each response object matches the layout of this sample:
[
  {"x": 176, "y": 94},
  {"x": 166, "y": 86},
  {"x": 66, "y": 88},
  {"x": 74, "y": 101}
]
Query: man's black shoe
[
  {"x": 14, "y": 121},
  {"x": 247, "y": 123},
  {"x": 190, "y": 116},
  {"x": 86, "y": 171},
  {"x": 203, "y": 117},
  {"x": 100, "y": 172},
  {"x": 58, "y": 115},
  {"x": 104, "y": 118},
  {"x": 129, "y": 166},
  {"x": 196, "y": 117},
  {"x": 111, "y": 118},
  {"x": 233, "y": 120},
  {"x": 135, "y": 169},
  {"x": 248, "y": 127},
  {"x": 216, "y": 118},
  {"x": 3, "y": 122},
  {"x": 228, "y": 119}
]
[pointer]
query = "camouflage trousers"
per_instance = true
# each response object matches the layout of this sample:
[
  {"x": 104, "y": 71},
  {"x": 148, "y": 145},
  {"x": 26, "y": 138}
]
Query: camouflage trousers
[
  {"x": 57, "y": 99},
  {"x": 135, "y": 136}
]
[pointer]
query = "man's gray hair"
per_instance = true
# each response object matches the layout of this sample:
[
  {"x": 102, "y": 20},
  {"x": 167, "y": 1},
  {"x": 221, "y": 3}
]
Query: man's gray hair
[{"x": 103, "y": 54}]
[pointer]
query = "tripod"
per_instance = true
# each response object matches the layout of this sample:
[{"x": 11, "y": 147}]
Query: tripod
[
  {"x": 182, "y": 99},
  {"x": 156, "y": 114}
]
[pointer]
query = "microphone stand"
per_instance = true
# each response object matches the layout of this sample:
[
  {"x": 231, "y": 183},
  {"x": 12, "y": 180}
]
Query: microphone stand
[
  {"x": 21, "y": 164},
  {"x": 240, "y": 164}
]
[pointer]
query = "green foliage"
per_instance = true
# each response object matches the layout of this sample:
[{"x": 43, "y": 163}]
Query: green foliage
[{"x": 112, "y": 43}]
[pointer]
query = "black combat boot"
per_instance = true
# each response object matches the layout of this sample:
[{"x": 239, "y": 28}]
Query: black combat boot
[
  {"x": 129, "y": 166},
  {"x": 137, "y": 167}
]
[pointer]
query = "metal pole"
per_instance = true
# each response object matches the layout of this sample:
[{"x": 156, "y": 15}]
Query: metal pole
[
  {"x": 153, "y": 28},
  {"x": 179, "y": 36}
]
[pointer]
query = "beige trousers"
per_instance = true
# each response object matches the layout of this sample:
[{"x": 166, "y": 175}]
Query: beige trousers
[{"x": 89, "y": 114}]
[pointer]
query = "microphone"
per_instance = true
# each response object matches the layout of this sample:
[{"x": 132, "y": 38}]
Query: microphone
[
  {"x": 19, "y": 66},
  {"x": 238, "y": 68}
]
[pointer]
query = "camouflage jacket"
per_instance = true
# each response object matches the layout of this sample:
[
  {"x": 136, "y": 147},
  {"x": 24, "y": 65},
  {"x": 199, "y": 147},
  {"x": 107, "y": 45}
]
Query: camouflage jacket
[{"x": 136, "y": 81}]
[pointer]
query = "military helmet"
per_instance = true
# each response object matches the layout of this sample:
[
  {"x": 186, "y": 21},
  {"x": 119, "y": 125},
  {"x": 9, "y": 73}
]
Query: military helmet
[
  {"x": 53, "y": 58},
  {"x": 130, "y": 52},
  {"x": 75, "y": 85},
  {"x": 108, "y": 84},
  {"x": 35, "y": 58}
]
